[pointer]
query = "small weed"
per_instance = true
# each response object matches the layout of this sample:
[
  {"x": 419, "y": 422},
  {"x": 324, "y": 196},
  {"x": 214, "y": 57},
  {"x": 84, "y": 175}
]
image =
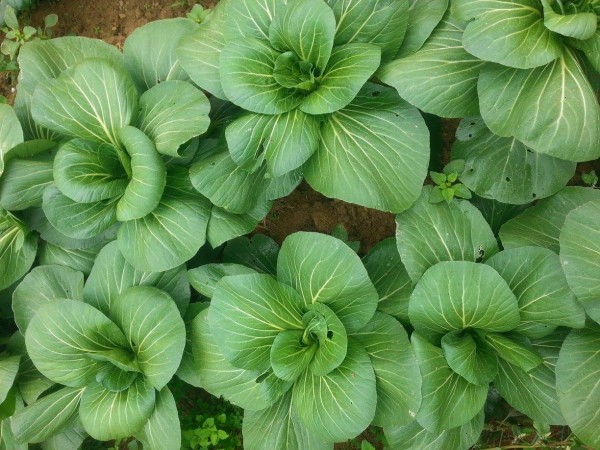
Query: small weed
[
  {"x": 447, "y": 185},
  {"x": 590, "y": 178}
]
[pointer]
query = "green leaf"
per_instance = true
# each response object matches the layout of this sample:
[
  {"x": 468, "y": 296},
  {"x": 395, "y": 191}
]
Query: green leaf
[
  {"x": 534, "y": 392},
  {"x": 113, "y": 415},
  {"x": 149, "y": 52},
  {"x": 172, "y": 113},
  {"x": 24, "y": 180},
  {"x": 251, "y": 390},
  {"x": 17, "y": 249},
  {"x": 505, "y": 169},
  {"x": 513, "y": 352},
  {"x": 43, "y": 285},
  {"x": 162, "y": 430},
  {"x": 290, "y": 356},
  {"x": 81, "y": 260},
  {"x": 75, "y": 104},
  {"x": 440, "y": 78},
  {"x": 305, "y": 27},
  {"x": 47, "y": 416},
  {"x": 250, "y": 19},
  {"x": 224, "y": 226},
  {"x": 449, "y": 400},
  {"x": 577, "y": 372},
  {"x": 396, "y": 370},
  {"x": 10, "y": 17},
  {"x": 341, "y": 404},
  {"x": 11, "y": 133},
  {"x": 536, "y": 277},
  {"x": 348, "y": 69},
  {"x": 341, "y": 281},
  {"x": 172, "y": 233},
  {"x": 552, "y": 109},
  {"x": 9, "y": 367},
  {"x": 70, "y": 439},
  {"x": 78, "y": 220},
  {"x": 541, "y": 224},
  {"x": 259, "y": 252},
  {"x": 458, "y": 295},
  {"x": 581, "y": 25},
  {"x": 226, "y": 184},
  {"x": 579, "y": 254},
  {"x": 148, "y": 176},
  {"x": 87, "y": 172},
  {"x": 394, "y": 146},
  {"x": 429, "y": 233},
  {"x": 246, "y": 69},
  {"x": 154, "y": 328},
  {"x": 204, "y": 279},
  {"x": 438, "y": 178},
  {"x": 423, "y": 19},
  {"x": 513, "y": 35},
  {"x": 469, "y": 358},
  {"x": 382, "y": 23},
  {"x": 247, "y": 312},
  {"x": 591, "y": 48},
  {"x": 390, "y": 278},
  {"x": 63, "y": 333},
  {"x": 31, "y": 382}
]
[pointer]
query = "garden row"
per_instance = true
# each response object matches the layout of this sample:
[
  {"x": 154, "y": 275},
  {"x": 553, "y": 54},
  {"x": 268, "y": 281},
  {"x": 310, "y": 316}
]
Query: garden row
[{"x": 123, "y": 185}]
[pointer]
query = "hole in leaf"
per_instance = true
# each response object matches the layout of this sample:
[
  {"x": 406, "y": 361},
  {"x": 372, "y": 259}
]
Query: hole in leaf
[
  {"x": 262, "y": 378},
  {"x": 534, "y": 195},
  {"x": 507, "y": 179},
  {"x": 470, "y": 135},
  {"x": 480, "y": 254},
  {"x": 375, "y": 93},
  {"x": 330, "y": 335},
  {"x": 472, "y": 123},
  {"x": 471, "y": 170}
]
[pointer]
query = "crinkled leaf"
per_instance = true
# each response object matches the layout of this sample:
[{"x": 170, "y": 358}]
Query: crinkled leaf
[
  {"x": 429, "y": 233},
  {"x": 323, "y": 269},
  {"x": 460, "y": 295},
  {"x": 43, "y": 285},
  {"x": 290, "y": 356},
  {"x": 385, "y": 168},
  {"x": 469, "y": 358},
  {"x": 172, "y": 113}
]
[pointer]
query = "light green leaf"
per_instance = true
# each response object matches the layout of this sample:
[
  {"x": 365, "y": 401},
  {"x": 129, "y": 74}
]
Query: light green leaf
[
  {"x": 396, "y": 370},
  {"x": 581, "y": 25},
  {"x": 259, "y": 252},
  {"x": 541, "y": 224},
  {"x": 63, "y": 333},
  {"x": 424, "y": 16},
  {"x": 246, "y": 69},
  {"x": 440, "y": 78},
  {"x": 31, "y": 382},
  {"x": 512, "y": 34},
  {"x": 534, "y": 392},
  {"x": 393, "y": 145},
  {"x": 148, "y": 176},
  {"x": 251, "y": 390},
  {"x": 341, "y": 404},
  {"x": 17, "y": 249},
  {"x": 250, "y": 19},
  {"x": 11, "y": 133},
  {"x": 24, "y": 180},
  {"x": 513, "y": 352},
  {"x": 591, "y": 48},
  {"x": 429, "y": 233},
  {"x": 505, "y": 169},
  {"x": 224, "y": 226},
  {"x": 226, "y": 184},
  {"x": 78, "y": 220},
  {"x": 70, "y": 439},
  {"x": 9, "y": 367},
  {"x": 47, "y": 416},
  {"x": 460, "y": 295},
  {"x": 162, "y": 430},
  {"x": 247, "y": 312},
  {"x": 552, "y": 109},
  {"x": 379, "y": 22},
  {"x": 577, "y": 373},
  {"x": 415, "y": 437},
  {"x": 149, "y": 52},
  {"x": 469, "y": 357},
  {"x": 449, "y": 400},
  {"x": 112, "y": 275},
  {"x": 580, "y": 257},
  {"x": 154, "y": 328},
  {"x": 87, "y": 172},
  {"x": 390, "y": 278},
  {"x": 76, "y": 103},
  {"x": 323, "y": 269},
  {"x": 204, "y": 279},
  {"x": 81, "y": 260},
  {"x": 290, "y": 356},
  {"x": 348, "y": 69},
  {"x": 109, "y": 415},
  {"x": 536, "y": 277},
  {"x": 172, "y": 113},
  {"x": 307, "y": 28},
  {"x": 43, "y": 285},
  {"x": 172, "y": 233}
]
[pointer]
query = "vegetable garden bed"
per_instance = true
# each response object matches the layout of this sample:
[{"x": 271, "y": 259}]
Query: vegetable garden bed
[{"x": 362, "y": 222}]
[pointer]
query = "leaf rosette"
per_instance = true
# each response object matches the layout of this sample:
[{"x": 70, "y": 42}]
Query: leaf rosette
[{"x": 305, "y": 350}]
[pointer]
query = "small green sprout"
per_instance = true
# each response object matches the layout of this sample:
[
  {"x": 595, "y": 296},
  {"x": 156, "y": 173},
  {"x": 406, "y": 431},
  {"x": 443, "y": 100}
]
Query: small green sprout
[
  {"x": 447, "y": 185},
  {"x": 590, "y": 178},
  {"x": 198, "y": 14}
]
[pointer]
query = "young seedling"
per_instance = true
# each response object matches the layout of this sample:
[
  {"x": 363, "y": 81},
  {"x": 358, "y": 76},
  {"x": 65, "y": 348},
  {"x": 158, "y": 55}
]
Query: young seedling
[
  {"x": 198, "y": 14},
  {"x": 590, "y": 178},
  {"x": 16, "y": 37},
  {"x": 447, "y": 185}
]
